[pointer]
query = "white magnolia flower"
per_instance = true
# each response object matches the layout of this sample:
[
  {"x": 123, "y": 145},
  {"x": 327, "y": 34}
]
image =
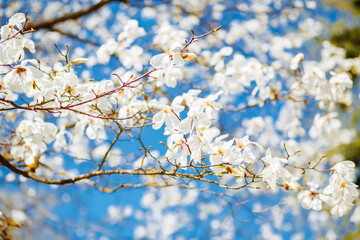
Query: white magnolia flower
[
  {"x": 220, "y": 154},
  {"x": 131, "y": 32},
  {"x": 294, "y": 63},
  {"x": 35, "y": 134},
  {"x": 187, "y": 98},
  {"x": 25, "y": 79},
  {"x": 339, "y": 83},
  {"x": 209, "y": 105},
  {"x": 168, "y": 115},
  {"x": 341, "y": 190},
  {"x": 196, "y": 144},
  {"x": 178, "y": 146},
  {"x": 129, "y": 112},
  {"x": 168, "y": 77},
  {"x": 12, "y": 48},
  {"x": 311, "y": 199},
  {"x": 324, "y": 125},
  {"x": 169, "y": 58},
  {"x": 193, "y": 120},
  {"x": 243, "y": 146},
  {"x": 274, "y": 170},
  {"x": 27, "y": 151}
]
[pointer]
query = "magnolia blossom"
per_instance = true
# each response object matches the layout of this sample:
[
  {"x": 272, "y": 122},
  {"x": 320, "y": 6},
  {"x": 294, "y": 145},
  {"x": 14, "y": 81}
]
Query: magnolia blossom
[
  {"x": 187, "y": 98},
  {"x": 169, "y": 77},
  {"x": 131, "y": 32},
  {"x": 340, "y": 82},
  {"x": 243, "y": 146},
  {"x": 220, "y": 156},
  {"x": 25, "y": 79},
  {"x": 295, "y": 61},
  {"x": 324, "y": 125},
  {"x": 37, "y": 130},
  {"x": 236, "y": 76},
  {"x": 27, "y": 151},
  {"x": 60, "y": 140},
  {"x": 12, "y": 48},
  {"x": 274, "y": 170},
  {"x": 173, "y": 57},
  {"x": 341, "y": 190},
  {"x": 105, "y": 51},
  {"x": 129, "y": 112},
  {"x": 178, "y": 145},
  {"x": 197, "y": 143},
  {"x": 169, "y": 58},
  {"x": 95, "y": 128},
  {"x": 168, "y": 115},
  {"x": 192, "y": 120},
  {"x": 209, "y": 105},
  {"x": 95, "y": 89},
  {"x": 35, "y": 135},
  {"x": 15, "y": 21},
  {"x": 129, "y": 56},
  {"x": 166, "y": 34},
  {"x": 311, "y": 199},
  {"x": 200, "y": 140}
]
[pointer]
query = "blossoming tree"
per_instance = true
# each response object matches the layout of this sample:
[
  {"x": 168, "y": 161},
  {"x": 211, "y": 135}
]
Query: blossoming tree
[{"x": 208, "y": 107}]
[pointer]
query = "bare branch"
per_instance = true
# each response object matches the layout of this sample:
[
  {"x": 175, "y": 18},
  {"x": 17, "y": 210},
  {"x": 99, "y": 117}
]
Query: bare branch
[{"x": 49, "y": 24}]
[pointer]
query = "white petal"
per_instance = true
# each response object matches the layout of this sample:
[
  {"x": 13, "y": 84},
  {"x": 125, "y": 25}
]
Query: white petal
[
  {"x": 91, "y": 133},
  {"x": 185, "y": 126},
  {"x": 178, "y": 60},
  {"x": 176, "y": 47},
  {"x": 17, "y": 19},
  {"x": 295, "y": 61},
  {"x": 158, "y": 120},
  {"x": 157, "y": 60}
]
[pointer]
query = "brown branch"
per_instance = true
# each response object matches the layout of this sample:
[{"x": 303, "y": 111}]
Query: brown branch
[
  {"x": 108, "y": 150},
  {"x": 87, "y": 176},
  {"x": 12, "y": 168},
  {"x": 49, "y": 24}
]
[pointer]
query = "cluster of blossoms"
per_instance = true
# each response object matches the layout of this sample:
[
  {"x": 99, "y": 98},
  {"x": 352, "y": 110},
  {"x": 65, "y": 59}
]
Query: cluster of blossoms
[
  {"x": 341, "y": 189},
  {"x": 339, "y": 194},
  {"x": 194, "y": 137},
  {"x": 34, "y": 135},
  {"x": 66, "y": 111},
  {"x": 190, "y": 140},
  {"x": 130, "y": 57},
  {"x": 314, "y": 82},
  {"x": 12, "y": 42}
]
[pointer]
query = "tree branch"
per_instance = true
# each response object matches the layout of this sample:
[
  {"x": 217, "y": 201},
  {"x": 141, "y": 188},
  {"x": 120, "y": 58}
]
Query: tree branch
[
  {"x": 87, "y": 176},
  {"x": 49, "y": 24}
]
